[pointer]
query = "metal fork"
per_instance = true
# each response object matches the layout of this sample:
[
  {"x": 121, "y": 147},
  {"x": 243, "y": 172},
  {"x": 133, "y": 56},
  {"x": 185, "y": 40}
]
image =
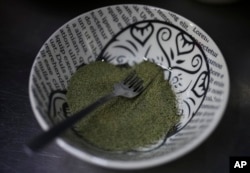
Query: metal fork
[{"x": 130, "y": 87}]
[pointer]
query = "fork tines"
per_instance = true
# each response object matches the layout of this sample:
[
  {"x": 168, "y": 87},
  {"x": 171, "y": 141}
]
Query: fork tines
[{"x": 133, "y": 81}]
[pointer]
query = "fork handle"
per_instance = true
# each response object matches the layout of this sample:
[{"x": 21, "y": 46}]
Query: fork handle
[{"x": 44, "y": 138}]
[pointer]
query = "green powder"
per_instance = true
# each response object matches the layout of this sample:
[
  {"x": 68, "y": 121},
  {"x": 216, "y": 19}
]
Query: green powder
[{"x": 122, "y": 124}]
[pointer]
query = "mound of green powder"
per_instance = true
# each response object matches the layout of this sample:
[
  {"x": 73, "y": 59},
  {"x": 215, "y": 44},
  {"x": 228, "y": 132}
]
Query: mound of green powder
[{"x": 122, "y": 124}]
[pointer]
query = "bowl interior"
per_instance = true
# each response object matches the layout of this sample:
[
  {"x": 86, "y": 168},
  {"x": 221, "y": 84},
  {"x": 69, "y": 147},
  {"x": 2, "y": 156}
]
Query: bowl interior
[{"x": 129, "y": 34}]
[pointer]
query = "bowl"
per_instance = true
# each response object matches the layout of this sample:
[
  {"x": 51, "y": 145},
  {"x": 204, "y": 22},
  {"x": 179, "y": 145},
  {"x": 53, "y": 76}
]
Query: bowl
[{"x": 129, "y": 34}]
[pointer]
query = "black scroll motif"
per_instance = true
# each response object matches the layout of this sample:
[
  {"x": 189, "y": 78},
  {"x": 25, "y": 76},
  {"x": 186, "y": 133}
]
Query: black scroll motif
[
  {"x": 196, "y": 65},
  {"x": 58, "y": 107},
  {"x": 163, "y": 35},
  {"x": 183, "y": 61}
]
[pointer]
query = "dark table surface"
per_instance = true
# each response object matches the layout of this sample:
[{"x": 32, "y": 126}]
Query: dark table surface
[{"x": 24, "y": 27}]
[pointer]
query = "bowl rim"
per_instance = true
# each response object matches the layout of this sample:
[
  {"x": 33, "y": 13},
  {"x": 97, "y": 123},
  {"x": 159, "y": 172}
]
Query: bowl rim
[{"x": 135, "y": 164}]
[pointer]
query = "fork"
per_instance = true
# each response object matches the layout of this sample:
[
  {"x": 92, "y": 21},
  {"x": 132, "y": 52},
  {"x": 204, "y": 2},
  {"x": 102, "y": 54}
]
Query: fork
[{"x": 130, "y": 87}]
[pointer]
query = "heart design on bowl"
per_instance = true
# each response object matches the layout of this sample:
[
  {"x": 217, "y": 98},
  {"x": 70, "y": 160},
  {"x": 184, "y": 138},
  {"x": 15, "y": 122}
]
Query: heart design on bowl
[
  {"x": 142, "y": 32},
  {"x": 184, "y": 44}
]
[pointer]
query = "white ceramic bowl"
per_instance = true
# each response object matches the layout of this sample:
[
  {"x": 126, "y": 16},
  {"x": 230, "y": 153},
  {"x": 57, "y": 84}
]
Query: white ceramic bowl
[{"x": 127, "y": 34}]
